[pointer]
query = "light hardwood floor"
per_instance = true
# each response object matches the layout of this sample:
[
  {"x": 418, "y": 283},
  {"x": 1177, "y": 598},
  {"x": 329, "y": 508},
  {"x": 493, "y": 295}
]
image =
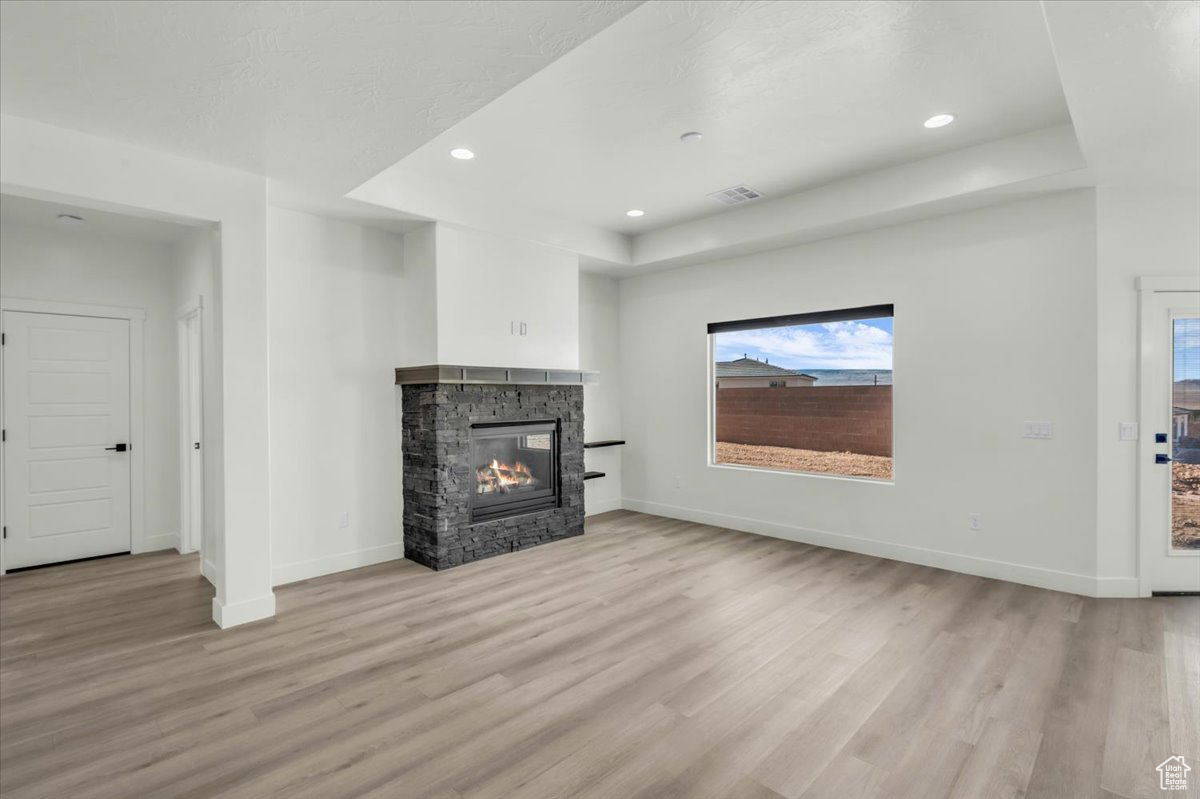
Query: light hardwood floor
[{"x": 648, "y": 658}]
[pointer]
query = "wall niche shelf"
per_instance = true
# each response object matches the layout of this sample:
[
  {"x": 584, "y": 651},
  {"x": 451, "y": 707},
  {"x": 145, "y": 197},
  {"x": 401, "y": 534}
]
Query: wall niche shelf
[
  {"x": 592, "y": 475},
  {"x": 597, "y": 444}
]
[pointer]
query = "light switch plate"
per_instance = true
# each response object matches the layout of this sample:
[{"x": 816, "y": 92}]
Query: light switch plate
[
  {"x": 1039, "y": 430},
  {"x": 1128, "y": 431}
]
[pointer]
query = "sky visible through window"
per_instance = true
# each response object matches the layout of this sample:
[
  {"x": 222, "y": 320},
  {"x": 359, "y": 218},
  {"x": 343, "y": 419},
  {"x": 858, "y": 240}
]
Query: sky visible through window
[
  {"x": 1187, "y": 349},
  {"x": 857, "y": 345}
]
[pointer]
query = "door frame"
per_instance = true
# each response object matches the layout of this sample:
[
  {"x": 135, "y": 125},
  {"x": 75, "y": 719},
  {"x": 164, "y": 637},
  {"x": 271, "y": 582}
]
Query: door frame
[
  {"x": 190, "y": 540},
  {"x": 137, "y": 479},
  {"x": 1150, "y": 342}
]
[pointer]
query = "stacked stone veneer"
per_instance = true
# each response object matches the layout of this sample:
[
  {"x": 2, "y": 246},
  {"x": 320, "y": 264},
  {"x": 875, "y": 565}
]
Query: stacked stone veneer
[{"x": 439, "y": 476}]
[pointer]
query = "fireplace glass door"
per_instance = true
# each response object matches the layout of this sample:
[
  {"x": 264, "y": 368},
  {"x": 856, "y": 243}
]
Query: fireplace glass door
[{"x": 515, "y": 467}]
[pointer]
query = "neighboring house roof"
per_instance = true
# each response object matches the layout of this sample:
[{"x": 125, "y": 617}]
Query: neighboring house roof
[{"x": 750, "y": 367}]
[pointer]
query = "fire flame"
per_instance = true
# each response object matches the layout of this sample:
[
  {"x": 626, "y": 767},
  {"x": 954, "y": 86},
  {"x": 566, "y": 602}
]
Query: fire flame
[{"x": 503, "y": 477}]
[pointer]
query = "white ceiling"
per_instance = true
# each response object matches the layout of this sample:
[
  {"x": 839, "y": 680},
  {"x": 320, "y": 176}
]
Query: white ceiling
[
  {"x": 24, "y": 211},
  {"x": 574, "y": 108},
  {"x": 1132, "y": 71},
  {"x": 788, "y": 96},
  {"x": 313, "y": 93}
]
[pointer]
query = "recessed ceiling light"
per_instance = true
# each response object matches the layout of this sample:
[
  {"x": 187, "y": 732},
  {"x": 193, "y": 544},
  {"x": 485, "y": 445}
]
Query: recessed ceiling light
[
  {"x": 939, "y": 120},
  {"x": 462, "y": 154},
  {"x": 635, "y": 212},
  {"x": 70, "y": 219},
  {"x": 691, "y": 136}
]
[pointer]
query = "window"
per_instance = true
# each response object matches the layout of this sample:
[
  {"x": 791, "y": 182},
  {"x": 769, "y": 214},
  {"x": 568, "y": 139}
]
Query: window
[{"x": 805, "y": 393}]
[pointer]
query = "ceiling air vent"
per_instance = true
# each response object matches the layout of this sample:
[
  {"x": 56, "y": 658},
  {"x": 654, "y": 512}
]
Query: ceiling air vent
[{"x": 735, "y": 195}]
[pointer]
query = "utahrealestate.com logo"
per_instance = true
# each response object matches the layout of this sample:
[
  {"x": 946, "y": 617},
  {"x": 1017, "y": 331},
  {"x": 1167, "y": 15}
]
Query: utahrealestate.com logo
[{"x": 1173, "y": 774}]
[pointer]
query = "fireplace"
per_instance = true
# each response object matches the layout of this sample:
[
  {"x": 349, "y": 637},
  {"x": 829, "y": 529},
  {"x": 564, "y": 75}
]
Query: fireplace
[
  {"x": 516, "y": 468},
  {"x": 493, "y": 460}
]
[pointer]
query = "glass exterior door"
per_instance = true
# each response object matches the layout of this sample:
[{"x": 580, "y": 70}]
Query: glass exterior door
[
  {"x": 1169, "y": 449},
  {"x": 1185, "y": 433}
]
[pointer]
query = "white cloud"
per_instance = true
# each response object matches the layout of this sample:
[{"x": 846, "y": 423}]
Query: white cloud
[{"x": 833, "y": 345}]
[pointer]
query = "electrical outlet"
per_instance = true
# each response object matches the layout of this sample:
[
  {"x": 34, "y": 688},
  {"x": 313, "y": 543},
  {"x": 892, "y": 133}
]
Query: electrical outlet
[
  {"x": 344, "y": 519},
  {"x": 1128, "y": 431},
  {"x": 974, "y": 522}
]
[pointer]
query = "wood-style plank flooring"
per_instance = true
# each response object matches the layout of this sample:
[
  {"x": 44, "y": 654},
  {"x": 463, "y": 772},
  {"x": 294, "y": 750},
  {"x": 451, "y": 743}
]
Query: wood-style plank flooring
[{"x": 649, "y": 658}]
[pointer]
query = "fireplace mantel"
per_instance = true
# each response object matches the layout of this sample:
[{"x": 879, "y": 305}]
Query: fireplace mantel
[{"x": 437, "y": 373}]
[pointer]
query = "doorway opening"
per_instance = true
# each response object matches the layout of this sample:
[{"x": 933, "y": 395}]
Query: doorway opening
[{"x": 191, "y": 427}]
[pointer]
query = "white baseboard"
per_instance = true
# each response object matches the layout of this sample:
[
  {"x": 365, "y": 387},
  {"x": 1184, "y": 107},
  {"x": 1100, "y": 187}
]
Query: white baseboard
[
  {"x": 231, "y": 615},
  {"x": 594, "y": 508},
  {"x": 1126, "y": 587},
  {"x": 1036, "y": 576},
  {"x": 209, "y": 570},
  {"x": 305, "y": 569},
  {"x": 154, "y": 543}
]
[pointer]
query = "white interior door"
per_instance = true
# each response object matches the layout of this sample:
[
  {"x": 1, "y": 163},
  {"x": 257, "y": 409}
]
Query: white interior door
[
  {"x": 1169, "y": 472},
  {"x": 66, "y": 408}
]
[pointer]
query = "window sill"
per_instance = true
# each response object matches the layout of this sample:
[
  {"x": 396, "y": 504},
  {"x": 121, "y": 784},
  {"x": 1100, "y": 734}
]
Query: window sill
[{"x": 794, "y": 473}]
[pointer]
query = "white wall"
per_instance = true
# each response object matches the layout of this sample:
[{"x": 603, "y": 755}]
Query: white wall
[
  {"x": 599, "y": 351},
  {"x": 336, "y": 330},
  {"x": 1131, "y": 79},
  {"x": 194, "y": 261},
  {"x": 995, "y": 324},
  {"x": 418, "y": 312},
  {"x": 1142, "y": 231},
  {"x": 78, "y": 265},
  {"x": 485, "y": 282}
]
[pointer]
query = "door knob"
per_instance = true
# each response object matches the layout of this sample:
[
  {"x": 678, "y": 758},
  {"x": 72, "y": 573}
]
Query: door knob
[{"x": 117, "y": 448}]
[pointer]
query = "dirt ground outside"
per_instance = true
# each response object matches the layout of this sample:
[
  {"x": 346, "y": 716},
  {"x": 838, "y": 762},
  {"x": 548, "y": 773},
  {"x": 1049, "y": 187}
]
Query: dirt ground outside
[
  {"x": 848, "y": 464},
  {"x": 1185, "y": 505}
]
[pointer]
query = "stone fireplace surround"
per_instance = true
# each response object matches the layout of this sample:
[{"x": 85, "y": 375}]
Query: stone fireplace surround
[{"x": 439, "y": 405}]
